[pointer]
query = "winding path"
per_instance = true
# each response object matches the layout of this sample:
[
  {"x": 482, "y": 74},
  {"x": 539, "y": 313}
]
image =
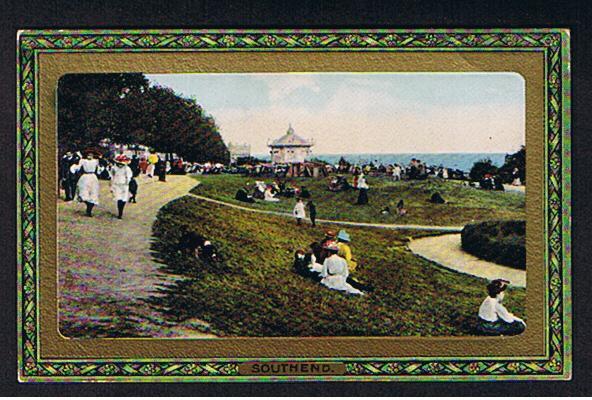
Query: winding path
[
  {"x": 335, "y": 222},
  {"x": 445, "y": 250},
  {"x": 106, "y": 269}
]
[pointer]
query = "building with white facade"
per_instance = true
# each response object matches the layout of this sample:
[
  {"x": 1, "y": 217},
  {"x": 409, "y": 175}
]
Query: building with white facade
[
  {"x": 290, "y": 148},
  {"x": 238, "y": 151}
]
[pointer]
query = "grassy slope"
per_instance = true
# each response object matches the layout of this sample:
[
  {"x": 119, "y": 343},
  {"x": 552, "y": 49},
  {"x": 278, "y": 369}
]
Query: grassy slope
[
  {"x": 255, "y": 292},
  {"x": 465, "y": 204}
]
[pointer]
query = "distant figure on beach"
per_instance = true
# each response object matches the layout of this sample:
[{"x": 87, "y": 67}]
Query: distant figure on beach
[
  {"x": 494, "y": 318},
  {"x": 299, "y": 212},
  {"x": 312, "y": 212},
  {"x": 87, "y": 189},
  {"x": 363, "y": 194}
]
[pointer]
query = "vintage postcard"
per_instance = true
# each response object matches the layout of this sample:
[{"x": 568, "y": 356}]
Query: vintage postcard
[{"x": 227, "y": 205}]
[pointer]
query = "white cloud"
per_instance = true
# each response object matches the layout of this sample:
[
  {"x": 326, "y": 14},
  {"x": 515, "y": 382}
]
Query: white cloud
[{"x": 281, "y": 86}]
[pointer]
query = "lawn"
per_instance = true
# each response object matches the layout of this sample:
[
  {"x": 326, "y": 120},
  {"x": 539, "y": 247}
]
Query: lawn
[
  {"x": 254, "y": 292},
  {"x": 464, "y": 204}
]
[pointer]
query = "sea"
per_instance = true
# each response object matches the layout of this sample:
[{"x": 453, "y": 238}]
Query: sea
[{"x": 461, "y": 161}]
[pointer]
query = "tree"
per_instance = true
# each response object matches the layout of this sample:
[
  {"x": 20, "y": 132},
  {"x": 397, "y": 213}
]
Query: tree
[
  {"x": 480, "y": 168},
  {"x": 89, "y": 107},
  {"x": 125, "y": 109},
  {"x": 513, "y": 161},
  {"x": 180, "y": 125}
]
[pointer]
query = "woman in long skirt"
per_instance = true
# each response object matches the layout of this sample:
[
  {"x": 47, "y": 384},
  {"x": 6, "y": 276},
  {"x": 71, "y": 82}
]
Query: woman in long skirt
[
  {"x": 363, "y": 194},
  {"x": 121, "y": 175},
  {"x": 87, "y": 188}
]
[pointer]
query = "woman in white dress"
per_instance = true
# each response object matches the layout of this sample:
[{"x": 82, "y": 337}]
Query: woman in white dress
[
  {"x": 299, "y": 212},
  {"x": 335, "y": 271},
  {"x": 87, "y": 188},
  {"x": 121, "y": 175}
]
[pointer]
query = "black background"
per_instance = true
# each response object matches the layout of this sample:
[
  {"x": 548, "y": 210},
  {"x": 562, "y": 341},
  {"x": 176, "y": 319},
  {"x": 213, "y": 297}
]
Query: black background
[{"x": 105, "y": 14}]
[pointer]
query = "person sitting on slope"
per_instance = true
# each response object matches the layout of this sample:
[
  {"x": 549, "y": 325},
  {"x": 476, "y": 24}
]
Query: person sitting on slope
[{"x": 494, "y": 318}]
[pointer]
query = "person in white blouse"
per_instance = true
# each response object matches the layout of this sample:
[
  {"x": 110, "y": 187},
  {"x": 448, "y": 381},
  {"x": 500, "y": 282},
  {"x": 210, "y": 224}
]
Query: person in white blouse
[
  {"x": 299, "y": 211},
  {"x": 121, "y": 175},
  {"x": 335, "y": 271},
  {"x": 87, "y": 188},
  {"x": 494, "y": 318}
]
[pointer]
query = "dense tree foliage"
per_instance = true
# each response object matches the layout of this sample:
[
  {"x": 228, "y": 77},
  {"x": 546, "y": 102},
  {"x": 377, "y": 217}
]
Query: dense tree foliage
[
  {"x": 480, "y": 168},
  {"x": 513, "y": 161},
  {"x": 126, "y": 109},
  {"x": 506, "y": 171}
]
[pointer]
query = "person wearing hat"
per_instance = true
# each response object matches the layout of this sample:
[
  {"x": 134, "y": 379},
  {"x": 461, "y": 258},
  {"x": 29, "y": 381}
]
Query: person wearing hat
[
  {"x": 343, "y": 240},
  {"x": 363, "y": 193},
  {"x": 319, "y": 251},
  {"x": 87, "y": 188},
  {"x": 121, "y": 176},
  {"x": 494, "y": 318},
  {"x": 335, "y": 271}
]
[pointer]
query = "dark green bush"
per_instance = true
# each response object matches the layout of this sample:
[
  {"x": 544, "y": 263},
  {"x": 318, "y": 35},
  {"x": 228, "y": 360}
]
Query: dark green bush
[
  {"x": 503, "y": 242},
  {"x": 480, "y": 168}
]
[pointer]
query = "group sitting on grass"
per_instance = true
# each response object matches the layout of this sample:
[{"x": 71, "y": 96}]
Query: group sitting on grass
[
  {"x": 330, "y": 262},
  {"x": 270, "y": 191}
]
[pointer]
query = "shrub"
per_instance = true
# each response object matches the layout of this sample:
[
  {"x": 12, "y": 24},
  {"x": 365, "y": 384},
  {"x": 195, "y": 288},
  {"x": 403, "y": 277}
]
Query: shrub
[
  {"x": 503, "y": 242},
  {"x": 480, "y": 168}
]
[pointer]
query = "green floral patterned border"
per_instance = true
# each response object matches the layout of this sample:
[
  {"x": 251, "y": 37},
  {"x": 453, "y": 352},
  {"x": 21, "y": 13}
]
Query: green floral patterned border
[{"x": 554, "y": 43}]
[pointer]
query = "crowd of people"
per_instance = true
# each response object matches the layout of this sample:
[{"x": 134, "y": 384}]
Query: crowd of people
[
  {"x": 330, "y": 261},
  {"x": 80, "y": 172},
  {"x": 415, "y": 170}
]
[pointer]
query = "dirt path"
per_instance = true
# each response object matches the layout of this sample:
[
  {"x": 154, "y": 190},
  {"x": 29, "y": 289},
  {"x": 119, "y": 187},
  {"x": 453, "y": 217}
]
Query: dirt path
[
  {"x": 103, "y": 287},
  {"x": 446, "y": 250},
  {"x": 335, "y": 222}
]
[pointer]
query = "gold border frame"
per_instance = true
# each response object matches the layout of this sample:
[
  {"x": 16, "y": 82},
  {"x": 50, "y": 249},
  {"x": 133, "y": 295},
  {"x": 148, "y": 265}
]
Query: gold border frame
[{"x": 529, "y": 65}]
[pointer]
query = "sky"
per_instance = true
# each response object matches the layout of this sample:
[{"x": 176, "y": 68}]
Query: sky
[{"x": 364, "y": 112}]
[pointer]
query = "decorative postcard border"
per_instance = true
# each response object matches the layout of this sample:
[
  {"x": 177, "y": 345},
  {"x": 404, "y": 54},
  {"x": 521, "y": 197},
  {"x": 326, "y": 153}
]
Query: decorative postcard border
[{"x": 554, "y": 43}]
